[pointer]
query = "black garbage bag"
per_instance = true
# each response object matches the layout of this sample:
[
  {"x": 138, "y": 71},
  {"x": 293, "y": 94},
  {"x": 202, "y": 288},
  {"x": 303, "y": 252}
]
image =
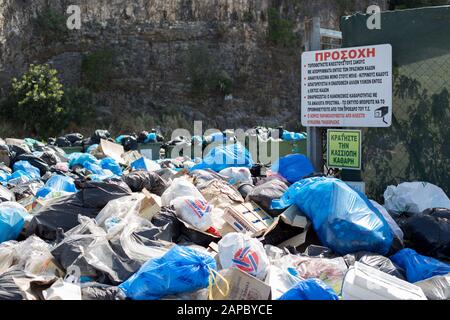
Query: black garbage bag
[
  {"x": 99, "y": 135},
  {"x": 33, "y": 160},
  {"x": 16, "y": 151},
  {"x": 63, "y": 212},
  {"x": 51, "y": 141},
  {"x": 377, "y": 261},
  {"x": 263, "y": 195},
  {"x": 50, "y": 158},
  {"x": 6, "y": 195},
  {"x": 74, "y": 137},
  {"x": 130, "y": 143},
  {"x": 429, "y": 233},
  {"x": 11, "y": 291},
  {"x": 319, "y": 252},
  {"x": 5, "y": 154},
  {"x": 142, "y": 136},
  {"x": 101, "y": 292},
  {"x": 139, "y": 180},
  {"x": 63, "y": 142},
  {"x": 77, "y": 144},
  {"x": 179, "y": 231}
]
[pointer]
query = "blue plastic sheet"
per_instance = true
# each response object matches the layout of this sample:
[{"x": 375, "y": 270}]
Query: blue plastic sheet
[
  {"x": 180, "y": 270},
  {"x": 112, "y": 165},
  {"x": 344, "y": 220},
  {"x": 419, "y": 267},
  {"x": 12, "y": 220},
  {"x": 311, "y": 289},
  {"x": 29, "y": 169},
  {"x": 293, "y": 167},
  {"x": 79, "y": 159},
  {"x": 226, "y": 156},
  {"x": 143, "y": 164},
  {"x": 57, "y": 183}
]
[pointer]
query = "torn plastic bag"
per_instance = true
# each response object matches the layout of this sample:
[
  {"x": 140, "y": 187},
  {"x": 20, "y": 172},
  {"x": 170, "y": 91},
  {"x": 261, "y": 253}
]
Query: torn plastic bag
[
  {"x": 25, "y": 166},
  {"x": 12, "y": 220},
  {"x": 178, "y": 271},
  {"x": 101, "y": 292},
  {"x": 7, "y": 255},
  {"x": 345, "y": 220},
  {"x": 34, "y": 161},
  {"x": 57, "y": 183},
  {"x": 419, "y": 267},
  {"x": 62, "y": 290},
  {"x": 180, "y": 187},
  {"x": 293, "y": 167},
  {"x": 176, "y": 230},
  {"x": 436, "y": 288},
  {"x": 392, "y": 224},
  {"x": 237, "y": 176},
  {"x": 310, "y": 289},
  {"x": 264, "y": 194},
  {"x": 111, "y": 165},
  {"x": 26, "y": 189},
  {"x": 226, "y": 156},
  {"x": 16, "y": 284},
  {"x": 63, "y": 212},
  {"x": 415, "y": 197},
  {"x": 6, "y": 195},
  {"x": 246, "y": 253},
  {"x": 139, "y": 180},
  {"x": 429, "y": 233},
  {"x": 376, "y": 261},
  {"x": 79, "y": 159}
]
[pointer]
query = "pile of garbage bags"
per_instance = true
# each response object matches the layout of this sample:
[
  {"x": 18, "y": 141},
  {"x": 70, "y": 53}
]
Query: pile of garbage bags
[{"x": 89, "y": 226}]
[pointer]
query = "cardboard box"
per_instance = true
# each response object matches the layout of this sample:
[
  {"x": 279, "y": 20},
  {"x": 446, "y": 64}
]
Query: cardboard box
[
  {"x": 112, "y": 150},
  {"x": 150, "y": 205},
  {"x": 248, "y": 217},
  {"x": 243, "y": 287}
]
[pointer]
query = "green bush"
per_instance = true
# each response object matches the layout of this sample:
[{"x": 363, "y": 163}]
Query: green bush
[
  {"x": 51, "y": 25},
  {"x": 97, "y": 69},
  {"x": 78, "y": 107},
  {"x": 36, "y": 100},
  {"x": 281, "y": 30}
]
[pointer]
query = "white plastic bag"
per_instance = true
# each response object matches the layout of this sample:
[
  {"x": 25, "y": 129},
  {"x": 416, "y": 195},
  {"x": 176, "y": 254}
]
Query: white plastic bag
[
  {"x": 246, "y": 253},
  {"x": 194, "y": 211},
  {"x": 415, "y": 197},
  {"x": 180, "y": 187},
  {"x": 7, "y": 254},
  {"x": 436, "y": 288},
  {"x": 392, "y": 224},
  {"x": 61, "y": 290},
  {"x": 238, "y": 176}
]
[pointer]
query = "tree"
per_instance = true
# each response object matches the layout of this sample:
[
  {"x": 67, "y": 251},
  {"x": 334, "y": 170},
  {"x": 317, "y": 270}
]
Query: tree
[{"x": 37, "y": 97}]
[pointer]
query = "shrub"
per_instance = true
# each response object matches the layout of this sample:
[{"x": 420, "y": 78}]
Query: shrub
[
  {"x": 281, "y": 30},
  {"x": 51, "y": 25},
  {"x": 97, "y": 69},
  {"x": 36, "y": 100},
  {"x": 78, "y": 107}
]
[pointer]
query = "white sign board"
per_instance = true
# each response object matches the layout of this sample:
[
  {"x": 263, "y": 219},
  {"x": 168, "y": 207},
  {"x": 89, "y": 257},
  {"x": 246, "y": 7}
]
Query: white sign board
[{"x": 349, "y": 87}]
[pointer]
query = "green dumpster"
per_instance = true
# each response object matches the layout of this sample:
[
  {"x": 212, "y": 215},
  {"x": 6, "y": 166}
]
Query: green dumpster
[
  {"x": 284, "y": 148},
  {"x": 179, "y": 152},
  {"x": 70, "y": 150},
  {"x": 151, "y": 151}
]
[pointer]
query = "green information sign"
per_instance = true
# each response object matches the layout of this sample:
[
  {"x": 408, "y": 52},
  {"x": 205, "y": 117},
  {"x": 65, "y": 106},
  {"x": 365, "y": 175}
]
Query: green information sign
[{"x": 344, "y": 149}]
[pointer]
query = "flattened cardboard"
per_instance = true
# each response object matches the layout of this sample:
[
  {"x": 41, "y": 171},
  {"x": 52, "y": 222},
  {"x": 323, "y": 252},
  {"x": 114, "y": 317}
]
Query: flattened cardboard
[{"x": 113, "y": 150}]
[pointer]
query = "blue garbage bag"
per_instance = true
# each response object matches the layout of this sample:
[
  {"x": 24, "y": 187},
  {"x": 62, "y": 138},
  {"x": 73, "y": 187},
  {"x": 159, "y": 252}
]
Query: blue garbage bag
[
  {"x": 92, "y": 148},
  {"x": 28, "y": 168},
  {"x": 57, "y": 183},
  {"x": 311, "y": 289},
  {"x": 18, "y": 175},
  {"x": 120, "y": 138},
  {"x": 180, "y": 270},
  {"x": 151, "y": 138},
  {"x": 112, "y": 165},
  {"x": 79, "y": 159},
  {"x": 226, "y": 156},
  {"x": 12, "y": 220},
  {"x": 419, "y": 267},
  {"x": 293, "y": 167},
  {"x": 344, "y": 220},
  {"x": 293, "y": 136}
]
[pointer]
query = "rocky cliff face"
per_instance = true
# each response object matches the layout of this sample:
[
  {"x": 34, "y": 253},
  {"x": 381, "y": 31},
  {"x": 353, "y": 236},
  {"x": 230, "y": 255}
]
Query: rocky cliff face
[{"x": 161, "y": 48}]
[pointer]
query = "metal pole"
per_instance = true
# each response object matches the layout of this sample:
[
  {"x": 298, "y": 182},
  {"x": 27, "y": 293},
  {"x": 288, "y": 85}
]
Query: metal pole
[{"x": 313, "y": 43}]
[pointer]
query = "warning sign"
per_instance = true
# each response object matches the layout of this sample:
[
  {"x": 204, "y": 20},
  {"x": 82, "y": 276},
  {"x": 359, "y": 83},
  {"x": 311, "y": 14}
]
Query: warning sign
[
  {"x": 344, "y": 149},
  {"x": 349, "y": 87}
]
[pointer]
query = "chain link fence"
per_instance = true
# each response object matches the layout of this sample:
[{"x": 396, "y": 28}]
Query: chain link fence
[{"x": 416, "y": 147}]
